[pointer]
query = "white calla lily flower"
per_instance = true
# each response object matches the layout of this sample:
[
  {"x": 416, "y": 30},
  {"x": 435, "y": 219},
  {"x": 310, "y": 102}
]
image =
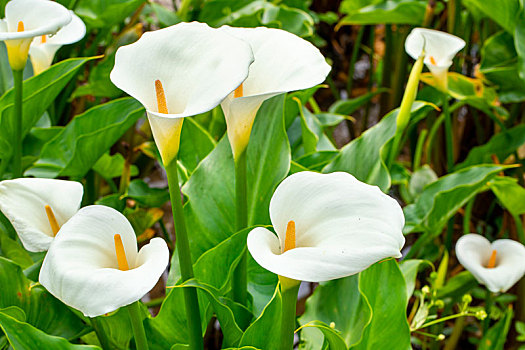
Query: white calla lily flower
[
  {"x": 43, "y": 48},
  {"x": 180, "y": 71},
  {"x": 439, "y": 47},
  {"x": 37, "y": 208},
  {"x": 497, "y": 265},
  {"x": 283, "y": 62},
  {"x": 25, "y": 20},
  {"x": 93, "y": 264},
  {"x": 328, "y": 226}
]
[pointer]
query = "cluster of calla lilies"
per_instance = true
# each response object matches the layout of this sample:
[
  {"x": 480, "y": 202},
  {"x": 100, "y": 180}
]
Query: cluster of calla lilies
[{"x": 327, "y": 226}]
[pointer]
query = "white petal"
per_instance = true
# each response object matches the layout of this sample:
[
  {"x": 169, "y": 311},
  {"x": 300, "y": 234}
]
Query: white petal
[
  {"x": 198, "y": 67},
  {"x": 283, "y": 62},
  {"x": 314, "y": 264},
  {"x": 42, "y": 56},
  {"x": 474, "y": 251},
  {"x": 23, "y": 202},
  {"x": 69, "y": 34},
  {"x": 441, "y": 46},
  {"x": 81, "y": 267},
  {"x": 39, "y": 17},
  {"x": 342, "y": 227}
]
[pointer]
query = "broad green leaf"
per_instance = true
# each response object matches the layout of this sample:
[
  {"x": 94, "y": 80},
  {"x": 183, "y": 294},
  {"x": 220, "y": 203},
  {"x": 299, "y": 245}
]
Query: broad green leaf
[
  {"x": 503, "y": 12},
  {"x": 195, "y": 144},
  {"x": 409, "y": 268},
  {"x": 15, "y": 312},
  {"x": 519, "y": 41},
  {"x": 502, "y": 145},
  {"x": 86, "y": 138},
  {"x": 440, "y": 200},
  {"x": 264, "y": 332},
  {"x": 365, "y": 156},
  {"x": 165, "y": 16},
  {"x": 11, "y": 249},
  {"x": 117, "y": 327},
  {"x": 496, "y": 336},
  {"x": 339, "y": 301},
  {"x": 256, "y": 13},
  {"x": 212, "y": 268},
  {"x": 510, "y": 193},
  {"x": 388, "y": 12},
  {"x": 106, "y": 13},
  {"x": 38, "y": 94},
  {"x": 420, "y": 179},
  {"x": 314, "y": 161},
  {"x": 457, "y": 286},
  {"x": 223, "y": 309},
  {"x": 384, "y": 287},
  {"x": 111, "y": 166},
  {"x": 212, "y": 220},
  {"x": 499, "y": 64},
  {"x": 42, "y": 309},
  {"x": 347, "y": 107},
  {"x": 331, "y": 336},
  {"x": 23, "y": 336},
  {"x": 147, "y": 196}
]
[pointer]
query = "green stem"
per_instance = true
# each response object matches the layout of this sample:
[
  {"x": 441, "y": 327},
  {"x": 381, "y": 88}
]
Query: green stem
[
  {"x": 467, "y": 216},
  {"x": 451, "y": 317},
  {"x": 101, "y": 334},
  {"x": 240, "y": 274},
  {"x": 489, "y": 301},
  {"x": 450, "y": 233},
  {"x": 449, "y": 138},
  {"x": 370, "y": 84},
  {"x": 519, "y": 228},
  {"x": 141, "y": 343},
  {"x": 18, "y": 76},
  {"x": 353, "y": 60},
  {"x": 288, "y": 305},
  {"x": 186, "y": 268},
  {"x": 457, "y": 330},
  {"x": 419, "y": 149},
  {"x": 182, "y": 12}
]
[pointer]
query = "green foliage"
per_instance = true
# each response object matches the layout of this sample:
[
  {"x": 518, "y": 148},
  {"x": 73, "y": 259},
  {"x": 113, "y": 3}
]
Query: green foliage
[{"x": 83, "y": 141}]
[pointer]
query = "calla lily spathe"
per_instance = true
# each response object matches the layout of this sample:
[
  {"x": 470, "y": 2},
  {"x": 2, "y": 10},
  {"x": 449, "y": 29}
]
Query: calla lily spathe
[
  {"x": 283, "y": 62},
  {"x": 43, "y": 48},
  {"x": 197, "y": 67},
  {"x": 23, "y": 201},
  {"x": 82, "y": 270},
  {"x": 475, "y": 253},
  {"x": 25, "y": 20},
  {"x": 342, "y": 226},
  {"x": 439, "y": 47}
]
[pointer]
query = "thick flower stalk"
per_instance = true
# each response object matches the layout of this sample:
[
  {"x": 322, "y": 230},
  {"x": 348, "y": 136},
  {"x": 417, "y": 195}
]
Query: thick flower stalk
[
  {"x": 439, "y": 47},
  {"x": 25, "y": 20},
  {"x": 38, "y": 208},
  {"x": 177, "y": 72},
  {"x": 497, "y": 265},
  {"x": 94, "y": 266},
  {"x": 328, "y": 226},
  {"x": 43, "y": 48},
  {"x": 283, "y": 62}
]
